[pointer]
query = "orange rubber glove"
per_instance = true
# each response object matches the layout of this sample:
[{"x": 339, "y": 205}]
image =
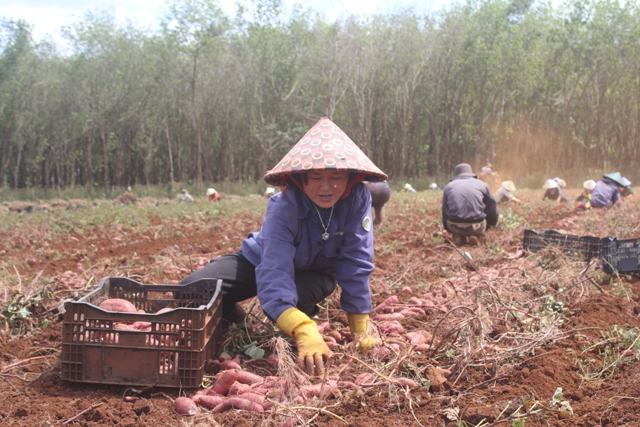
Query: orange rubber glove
[
  {"x": 360, "y": 327},
  {"x": 312, "y": 350}
]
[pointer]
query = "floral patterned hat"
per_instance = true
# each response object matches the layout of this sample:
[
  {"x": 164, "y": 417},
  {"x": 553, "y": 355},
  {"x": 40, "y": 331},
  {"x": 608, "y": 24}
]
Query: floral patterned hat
[{"x": 324, "y": 146}]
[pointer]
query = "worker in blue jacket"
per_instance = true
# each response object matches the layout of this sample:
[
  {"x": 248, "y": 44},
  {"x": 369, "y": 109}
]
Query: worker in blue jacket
[
  {"x": 607, "y": 192},
  {"x": 317, "y": 233}
]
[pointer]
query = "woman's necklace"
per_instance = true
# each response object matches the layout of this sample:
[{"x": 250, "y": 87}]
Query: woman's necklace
[{"x": 325, "y": 235}]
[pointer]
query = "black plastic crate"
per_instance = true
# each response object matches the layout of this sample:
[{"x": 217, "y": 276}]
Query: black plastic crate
[
  {"x": 584, "y": 247},
  {"x": 620, "y": 255},
  {"x": 172, "y": 353}
]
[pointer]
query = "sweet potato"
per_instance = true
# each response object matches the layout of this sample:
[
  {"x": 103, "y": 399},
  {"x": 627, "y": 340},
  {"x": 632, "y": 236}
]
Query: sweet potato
[
  {"x": 332, "y": 344},
  {"x": 391, "y": 327},
  {"x": 422, "y": 347},
  {"x": 410, "y": 311},
  {"x": 415, "y": 301},
  {"x": 123, "y": 327},
  {"x": 274, "y": 360},
  {"x": 186, "y": 406},
  {"x": 416, "y": 338},
  {"x": 207, "y": 400},
  {"x": 225, "y": 381},
  {"x": 237, "y": 403},
  {"x": 329, "y": 340},
  {"x": 256, "y": 398},
  {"x": 364, "y": 378},
  {"x": 323, "y": 327},
  {"x": 245, "y": 377},
  {"x": 389, "y": 316},
  {"x": 327, "y": 389},
  {"x": 119, "y": 305},
  {"x": 406, "y": 382},
  {"x": 229, "y": 364},
  {"x": 335, "y": 335},
  {"x": 290, "y": 422},
  {"x": 239, "y": 388},
  {"x": 392, "y": 300},
  {"x": 142, "y": 325}
]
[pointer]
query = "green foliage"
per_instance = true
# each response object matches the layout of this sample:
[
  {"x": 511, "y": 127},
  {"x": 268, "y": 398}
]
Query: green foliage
[
  {"x": 509, "y": 220},
  {"x": 209, "y": 97},
  {"x": 617, "y": 346}
]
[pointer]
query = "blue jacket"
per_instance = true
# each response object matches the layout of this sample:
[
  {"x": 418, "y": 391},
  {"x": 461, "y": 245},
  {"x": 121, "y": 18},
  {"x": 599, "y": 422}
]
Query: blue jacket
[
  {"x": 467, "y": 199},
  {"x": 291, "y": 240},
  {"x": 605, "y": 194}
]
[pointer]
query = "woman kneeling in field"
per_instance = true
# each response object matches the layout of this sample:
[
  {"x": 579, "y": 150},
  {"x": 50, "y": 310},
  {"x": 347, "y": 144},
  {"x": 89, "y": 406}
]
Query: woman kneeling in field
[{"x": 317, "y": 232}]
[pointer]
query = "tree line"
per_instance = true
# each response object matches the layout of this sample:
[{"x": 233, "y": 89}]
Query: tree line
[{"x": 208, "y": 97}]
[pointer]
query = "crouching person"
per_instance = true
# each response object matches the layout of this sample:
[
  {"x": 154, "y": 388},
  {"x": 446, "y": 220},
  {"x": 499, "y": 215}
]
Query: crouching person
[
  {"x": 380, "y": 195},
  {"x": 317, "y": 233},
  {"x": 468, "y": 207}
]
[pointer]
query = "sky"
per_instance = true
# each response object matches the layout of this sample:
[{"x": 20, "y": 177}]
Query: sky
[{"x": 48, "y": 16}]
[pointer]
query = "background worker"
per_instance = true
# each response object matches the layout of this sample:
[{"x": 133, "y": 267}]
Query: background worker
[
  {"x": 408, "y": 188},
  {"x": 561, "y": 182},
  {"x": 553, "y": 191},
  {"x": 184, "y": 196},
  {"x": 584, "y": 199},
  {"x": 317, "y": 233},
  {"x": 380, "y": 195},
  {"x": 488, "y": 175},
  {"x": 270, "y": 191},
  {"x": 607, "y": 192},
  {"x": 468, "y": 207},
  {"x": 626, "y": 192},
  {"x": 212, "y": 195},
  {"x": 505, "y": 193},
  {"x": 434, "y": 187}
]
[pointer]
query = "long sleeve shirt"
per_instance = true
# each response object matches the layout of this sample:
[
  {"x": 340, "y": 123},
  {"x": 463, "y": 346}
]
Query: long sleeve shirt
[
  {"x": 503, "y": 195},
  {"x": 467, "y": 199},
  {"x": 554, "y": 194},
  {"x": 290, "y": 241},
  {"x": 605, "y": 194}
]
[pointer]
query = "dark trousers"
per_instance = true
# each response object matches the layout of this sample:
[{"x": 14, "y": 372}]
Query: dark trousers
[{"x": 239, "y": 277}]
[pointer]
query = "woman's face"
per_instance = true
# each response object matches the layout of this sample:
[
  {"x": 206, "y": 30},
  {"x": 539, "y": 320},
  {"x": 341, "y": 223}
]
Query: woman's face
[{"x": 325, "y": 187}]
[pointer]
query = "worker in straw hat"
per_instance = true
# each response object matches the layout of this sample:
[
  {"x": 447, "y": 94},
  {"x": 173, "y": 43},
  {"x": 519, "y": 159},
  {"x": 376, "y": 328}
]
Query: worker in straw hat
[
  {"x": 317, "y": 232},
  {"x": 380, "y": 195},
  {"x": 561, "y": 182},
  {"x": 607, "y": 192},
  {"x": 553, "y": 191},
  {"x": 184, "y": 196},
  {"x": 408, "y": 188},
  {"x": 584, "y": 199},
  {"x": 270, "y": 191},
  {"x": 505, "y": 192},
  {"x": 433, "y": 186},
  {"x": 212, "y": 195},
  {"x": 468, "y": 207}
]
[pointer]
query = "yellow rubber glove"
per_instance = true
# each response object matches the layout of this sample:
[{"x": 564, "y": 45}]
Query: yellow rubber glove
[
  {"x": 361, "y": 332},
  {"x": 312, "y": 350}
]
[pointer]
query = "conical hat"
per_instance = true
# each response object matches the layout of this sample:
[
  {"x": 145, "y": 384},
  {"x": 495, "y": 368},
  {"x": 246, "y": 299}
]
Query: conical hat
[
  {"x": 548, "y": 184},
  {"x": 625, "y": 181},
  {"x": 560, "y": 181},
  {"x": 614, "y": 176},
  {"x": 324, "y": 146},
  {"x": 509, "y": 185}
]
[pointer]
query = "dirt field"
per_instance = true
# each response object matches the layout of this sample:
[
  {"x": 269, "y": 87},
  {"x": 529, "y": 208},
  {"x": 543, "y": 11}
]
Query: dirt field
[{"x": 504, "y": 328}]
